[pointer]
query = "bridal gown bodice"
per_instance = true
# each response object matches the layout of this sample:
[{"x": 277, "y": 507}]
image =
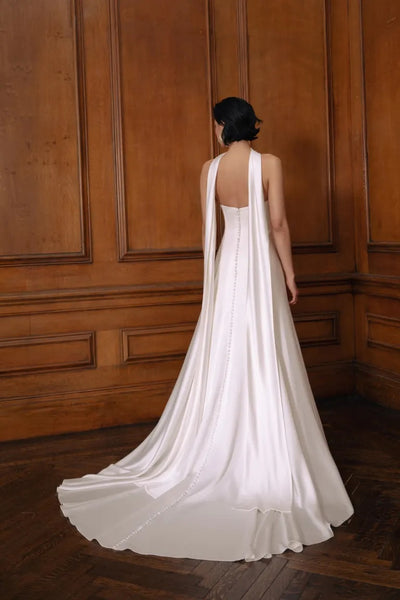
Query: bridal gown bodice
[{"x": 238, "y": 465}]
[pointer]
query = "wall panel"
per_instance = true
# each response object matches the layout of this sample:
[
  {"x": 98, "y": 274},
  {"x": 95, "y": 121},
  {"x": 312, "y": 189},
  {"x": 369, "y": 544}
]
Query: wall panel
[
  {"x": 161, "y": 108},
  {"x": 114, "y": 98},
  {"x": 44, "y": 213},
  {"x": 378, "y": 347},
  {"x": 41, "y": 353},
  {"x": 381, "y": 50},
  {"x": 374, "y": 52},
  {"x": 298, "y": 70},
  {"x": 289, "y": 72}
]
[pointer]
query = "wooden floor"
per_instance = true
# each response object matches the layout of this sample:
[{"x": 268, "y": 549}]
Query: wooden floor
[{"x": 45, "y": 558}]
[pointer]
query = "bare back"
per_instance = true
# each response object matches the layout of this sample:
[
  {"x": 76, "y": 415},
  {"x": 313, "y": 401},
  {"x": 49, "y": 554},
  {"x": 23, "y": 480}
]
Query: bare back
[
  {"x": 231, "y": 188},
  {"x": 232, "y": 179}
]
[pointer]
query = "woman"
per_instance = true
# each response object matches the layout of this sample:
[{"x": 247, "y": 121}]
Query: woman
[
  {"x": 232, "y": 185},
  {"x": 238, "y": 466}
]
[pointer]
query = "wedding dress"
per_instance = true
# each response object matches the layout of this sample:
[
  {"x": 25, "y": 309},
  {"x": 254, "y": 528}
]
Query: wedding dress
[{"x": 238, "y": 466}]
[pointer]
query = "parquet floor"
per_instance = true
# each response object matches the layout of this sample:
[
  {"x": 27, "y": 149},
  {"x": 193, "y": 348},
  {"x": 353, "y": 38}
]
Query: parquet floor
[{"x": 45, "y": 558}]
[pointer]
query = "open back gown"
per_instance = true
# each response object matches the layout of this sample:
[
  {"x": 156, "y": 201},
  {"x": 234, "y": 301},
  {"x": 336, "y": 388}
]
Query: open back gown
[{"x": 238, "y": 466}]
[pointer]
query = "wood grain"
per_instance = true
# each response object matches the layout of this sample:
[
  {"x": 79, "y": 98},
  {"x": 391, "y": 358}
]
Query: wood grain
[{"x": 107, "y": 120}]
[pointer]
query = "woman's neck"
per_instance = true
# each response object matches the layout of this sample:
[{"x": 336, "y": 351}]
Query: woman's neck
[{"x": 238, "y": 146}]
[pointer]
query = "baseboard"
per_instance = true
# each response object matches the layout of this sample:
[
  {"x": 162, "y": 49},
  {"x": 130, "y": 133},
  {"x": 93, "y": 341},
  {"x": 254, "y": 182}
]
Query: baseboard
[{"x": 378, "y": 385}]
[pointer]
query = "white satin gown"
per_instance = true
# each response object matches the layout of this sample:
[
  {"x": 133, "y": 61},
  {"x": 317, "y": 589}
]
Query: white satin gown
[{"x": 238, "y": 466}]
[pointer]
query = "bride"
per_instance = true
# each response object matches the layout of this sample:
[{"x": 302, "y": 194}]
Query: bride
[{"x": 238, "y": 466}]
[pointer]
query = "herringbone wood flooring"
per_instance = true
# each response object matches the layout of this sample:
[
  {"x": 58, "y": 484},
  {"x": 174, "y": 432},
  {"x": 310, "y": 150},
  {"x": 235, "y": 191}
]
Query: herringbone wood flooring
[{"x": 45, "y": 558}]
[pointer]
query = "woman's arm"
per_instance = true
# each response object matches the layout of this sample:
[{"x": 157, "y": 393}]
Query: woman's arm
[
  {"x": 203, "y": 197},
  {"x": 273, "y": 181}
]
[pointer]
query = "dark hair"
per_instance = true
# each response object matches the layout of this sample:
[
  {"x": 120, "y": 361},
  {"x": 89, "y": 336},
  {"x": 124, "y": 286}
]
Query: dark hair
[{"x": 238, "y": 118}]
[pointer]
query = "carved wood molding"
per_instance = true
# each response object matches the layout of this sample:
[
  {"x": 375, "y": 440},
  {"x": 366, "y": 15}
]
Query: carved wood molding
[
  {"x": 146, "y": 295},
  {"x": 176, "y": 336},
  {"x": 388, "y": 247},
  {"x": 22, "y": 355},
  {"x": 385, "y": 322},
  {"x": 330, "y": 319},
  {"x": 376, "y": 285},
  {"x": 100, "y": 299}
]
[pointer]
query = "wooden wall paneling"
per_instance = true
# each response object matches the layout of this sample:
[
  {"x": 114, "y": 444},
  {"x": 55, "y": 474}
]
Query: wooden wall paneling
[
  {"x": 359, "y": 171},
  {"x": 325, "y": 328},
  {"x": 318, "y": 329},
  {"x": 298, "y": 69},
  {"x": 161, "y": 108},
  {"x": 28, "y": 417},
  {"x": 377, "y": 330},
  {"x": 157, "y": 325},
  {"x": 243, "y": 48},
  {"x": 42, "y": 353},
  {"x": 145, "y": 81},
  {"x": 225, "y": 20},
  {"x": 107, "y": 322},
  {"x": 105, "y": 271},
  {"x": 374, "y": 43},
  {"x": 332, "y": 379},
  {"x": 376, "y": 285},
  {"x": 381, "y": 49},
  {"x": 324, "y": 320},
  {"x": 379, "y": 385},
  {"x": 55, "y": 300},
  {"x": 98, "y": 101},
  {"x": 226, "y": 15},
  {"x": 377, "y": 334},
  {"x": 288, "y": 61},
  {"x": 374, "y": 87},
  {"x": 156, "y": 343},
  {"x": 343, "y": 211},
  {"x": 44, "y": 213}
]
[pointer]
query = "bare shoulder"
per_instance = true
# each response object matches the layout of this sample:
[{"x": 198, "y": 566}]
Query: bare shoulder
[
  {"x": 271, "y": 162},
  {"x": 271, "y": 166}
]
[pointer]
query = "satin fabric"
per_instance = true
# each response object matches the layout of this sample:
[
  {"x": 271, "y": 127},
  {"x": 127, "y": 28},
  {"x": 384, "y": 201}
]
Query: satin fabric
[{"x": 238, "y": 466}]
